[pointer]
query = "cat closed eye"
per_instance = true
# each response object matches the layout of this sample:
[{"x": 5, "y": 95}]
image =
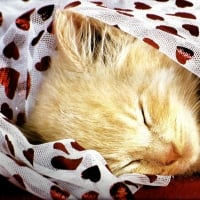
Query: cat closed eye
[{"x": 144, "y": 117}]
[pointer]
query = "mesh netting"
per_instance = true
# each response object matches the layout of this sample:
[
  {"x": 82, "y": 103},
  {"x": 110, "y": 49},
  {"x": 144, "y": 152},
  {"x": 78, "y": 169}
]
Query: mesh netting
[{"x": 26, "y": 39}]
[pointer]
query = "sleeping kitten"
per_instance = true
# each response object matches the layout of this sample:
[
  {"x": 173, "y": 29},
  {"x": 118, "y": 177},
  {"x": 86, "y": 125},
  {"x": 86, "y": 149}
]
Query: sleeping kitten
[{"x": 115, "y": 94}]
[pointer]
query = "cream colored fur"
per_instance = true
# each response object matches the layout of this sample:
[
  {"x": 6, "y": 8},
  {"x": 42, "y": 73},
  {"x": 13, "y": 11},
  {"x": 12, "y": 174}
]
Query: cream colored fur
[{"x": 119, "y": 96}]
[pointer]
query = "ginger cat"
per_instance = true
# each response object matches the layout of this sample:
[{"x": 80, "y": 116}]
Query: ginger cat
[{"x": 115, "y": 94}]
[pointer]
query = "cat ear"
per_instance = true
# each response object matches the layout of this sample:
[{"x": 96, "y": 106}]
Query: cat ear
[
  {"x": 86, "y": 43},
  {"x": 79, "y": 39}
]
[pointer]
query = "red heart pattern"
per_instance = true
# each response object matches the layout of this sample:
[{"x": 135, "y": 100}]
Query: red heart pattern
[
  {"x": 29, "y": 155},
  {"x": 92, "y": 195},
  {"x": 183, "y": 3},
  {"x": 23, "y": 22},
  {"x": 58, "y": 194},
  {"x": 151, "y": 42},
  {"x": 37, "y": 38},
  {"x": 155, "y": 17},
  {"x": 152, "y": 178},
  {"x": 142, "y": 6},
  {"x": 44, "y": 64},
  {"x": 183, "y": 15},
  {"x": 21, "y": 119},
  {"x": 60, "y": 146},
  {"x": 7, "y": 111},
  {"x": 73, "y": 4},
  {"x": 11, "y": 51},
  {"x": 98, "y": 3},
  {"x": 50, "y": 28},
  {"x": 19, "y": 179},
  {"x": 167, "y": 29},
  {"x": 119, "y": 191},
  {"x": 10, "y": 145},
  {"x": 60, "y": 162},
  {"x": 183, "y": 54},
  {"x": 46, "y": 12},
  {"x": 76, "y": 146},
  {"x": 92, "y": 173},
  {"x": 193, "y": 29},
  {"x": 10, "y": 81}
]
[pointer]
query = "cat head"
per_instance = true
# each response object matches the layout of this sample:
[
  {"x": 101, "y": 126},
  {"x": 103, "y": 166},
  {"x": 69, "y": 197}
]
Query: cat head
[{"x": 126, "y": 100}]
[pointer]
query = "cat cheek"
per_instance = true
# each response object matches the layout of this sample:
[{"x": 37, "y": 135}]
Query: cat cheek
[{"x": 143, "y": 138}]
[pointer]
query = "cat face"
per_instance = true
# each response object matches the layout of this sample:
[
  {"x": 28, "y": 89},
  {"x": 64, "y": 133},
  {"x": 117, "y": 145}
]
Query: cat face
[
  {"x": 115, "y": 94},
  {"x": 155, "y": 131},
  {"x": 168, "y": 134}
]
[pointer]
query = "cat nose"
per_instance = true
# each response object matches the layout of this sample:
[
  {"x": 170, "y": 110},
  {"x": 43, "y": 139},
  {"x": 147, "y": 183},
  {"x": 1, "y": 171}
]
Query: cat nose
[{"x": 172, "y": 155}]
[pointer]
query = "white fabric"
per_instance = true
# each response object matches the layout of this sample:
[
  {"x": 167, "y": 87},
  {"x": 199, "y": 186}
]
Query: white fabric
[{"x": 62, "y": 169}]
